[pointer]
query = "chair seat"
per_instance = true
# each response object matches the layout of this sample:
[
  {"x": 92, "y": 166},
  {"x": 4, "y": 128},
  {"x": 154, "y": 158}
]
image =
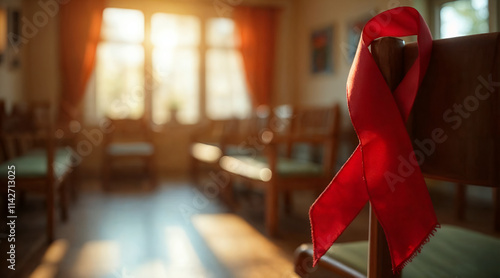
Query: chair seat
[
  {"x": 452, "y": 252},
  {"x": 206, "y": 152},
  {"x": 34, "y": 163},
  {"x": 251, "y": 167},
  {"x": 211, "y": 151},
  {"x": 133, "y": 149}
]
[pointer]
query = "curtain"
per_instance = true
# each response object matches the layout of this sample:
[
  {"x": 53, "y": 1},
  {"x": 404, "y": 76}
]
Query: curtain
[
  {"x": 79, "y": 32},
  {"x": 257, "y": 33}
]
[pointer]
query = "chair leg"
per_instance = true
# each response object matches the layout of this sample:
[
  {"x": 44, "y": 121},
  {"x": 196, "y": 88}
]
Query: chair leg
[
  {"x": 194, "y": 169},
  {"x": 22, "y": 198},
  {"x": 272, "y": 209},
  {"x": 496, "y": 194},
  {"x": 288, "y": 201},
  {"x": 379, "y": 258},
  {"x": 63, "y": 192},
  {"x": 227, "y": 193},
  {"x": 153, "y": 172},
  {"x": 50, "y": 211},
  {"x": 460, "y": 201},
  {"x": 74, "y": 186},
  {"x": 106, "y": 168}
]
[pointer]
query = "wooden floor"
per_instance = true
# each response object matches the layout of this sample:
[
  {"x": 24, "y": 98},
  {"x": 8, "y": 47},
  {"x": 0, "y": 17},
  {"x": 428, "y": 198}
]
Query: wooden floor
[{"x": 177, "y": 230}]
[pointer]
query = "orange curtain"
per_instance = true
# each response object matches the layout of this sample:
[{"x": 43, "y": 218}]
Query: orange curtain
[
  {"x": 80, "y": 27},
  {"x": 257, "y": 32}
]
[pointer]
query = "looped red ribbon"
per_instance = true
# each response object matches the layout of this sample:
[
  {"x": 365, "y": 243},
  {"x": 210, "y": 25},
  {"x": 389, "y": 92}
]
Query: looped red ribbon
[{"x": 400, "y": 201}]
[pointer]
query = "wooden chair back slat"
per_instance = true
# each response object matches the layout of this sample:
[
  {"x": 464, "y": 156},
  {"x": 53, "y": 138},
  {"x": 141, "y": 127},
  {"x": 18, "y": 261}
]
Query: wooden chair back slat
[
  {"x": 457, "y": 100},
  {"x": 129, "y": 130}
]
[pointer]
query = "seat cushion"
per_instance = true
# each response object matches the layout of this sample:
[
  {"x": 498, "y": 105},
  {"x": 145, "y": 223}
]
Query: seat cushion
[
  {"x": 132, "y": 148},
  {"x": 33, "y": 164},
  {"x": 452, "y": 252},
  {"x": 286, "y": 167}
]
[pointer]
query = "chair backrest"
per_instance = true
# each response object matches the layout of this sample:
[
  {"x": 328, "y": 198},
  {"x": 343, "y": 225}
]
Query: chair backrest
[
  {"x": 310, "y": 120},
  {"x": 322, "y": 123},
  {"x": 129, "y": 130},
  {"x": 17, "y": 130},
  {"x": 455, "y": 122},
  {"x": 457, "y": 97}
]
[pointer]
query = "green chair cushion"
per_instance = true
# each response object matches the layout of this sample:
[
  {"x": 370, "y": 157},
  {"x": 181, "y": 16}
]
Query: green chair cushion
[
  {"x": 236, "y": 151},
  {"x": 452, "y": 252},
  {"x": 133, "y": 148},
  {"x": 34, "y": 163},
  {"x": 286, "y": 167}
]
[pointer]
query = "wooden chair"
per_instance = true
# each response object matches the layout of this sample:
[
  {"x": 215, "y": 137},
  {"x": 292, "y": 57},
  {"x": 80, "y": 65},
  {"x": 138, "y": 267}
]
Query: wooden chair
[
  {"x": 41, "y": 169},
  {"x": 285, "y": 158},
  {"x": 131, "y": 139},
  {"x": 206, "y": 146},
  {"x": 223, "y": 137},
  {"x": 459, "y": 94}
]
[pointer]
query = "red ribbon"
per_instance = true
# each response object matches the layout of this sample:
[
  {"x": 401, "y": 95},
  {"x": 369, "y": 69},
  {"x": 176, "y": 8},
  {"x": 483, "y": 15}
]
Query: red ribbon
[{"x": 374, "y": 171}]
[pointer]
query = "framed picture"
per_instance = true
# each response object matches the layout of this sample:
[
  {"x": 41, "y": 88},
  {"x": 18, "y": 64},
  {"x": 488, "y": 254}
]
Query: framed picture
[{"x": 321, "y": 50}]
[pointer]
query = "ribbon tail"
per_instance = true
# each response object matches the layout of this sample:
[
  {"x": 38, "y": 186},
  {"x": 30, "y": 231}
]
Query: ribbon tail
[
  {"x": 402, "y": 203},
  {"x": 347, "y": 191},
  {"x": 398, "y": 268}
]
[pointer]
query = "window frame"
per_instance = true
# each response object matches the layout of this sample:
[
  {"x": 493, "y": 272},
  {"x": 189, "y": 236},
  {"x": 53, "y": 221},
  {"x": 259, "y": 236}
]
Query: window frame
[
  {"x": 435, "y": 16},
  {"x": 204, "y": 13}
]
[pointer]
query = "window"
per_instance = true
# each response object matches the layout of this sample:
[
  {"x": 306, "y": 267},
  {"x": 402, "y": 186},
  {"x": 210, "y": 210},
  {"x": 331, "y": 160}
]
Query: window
[
  {"x": 226, "y": 88},
  {"x": 176, "y": 60},
  {"x": 120, "y": 64},
  {"x": 463, "y": 17},
  {"x": 172, "y": 55}
]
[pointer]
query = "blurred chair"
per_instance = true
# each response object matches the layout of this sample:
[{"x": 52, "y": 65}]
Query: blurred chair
[
  {"x": 462, "y": 71},
  {"x": 296, "y": 151},
  {"x": 130, "y": 140},
  {"x": 39, "y": 167},
  {"x": 224, "y": 137},
  {"x": 207, "y": 146},
  {"x": 219, "y": 137}
]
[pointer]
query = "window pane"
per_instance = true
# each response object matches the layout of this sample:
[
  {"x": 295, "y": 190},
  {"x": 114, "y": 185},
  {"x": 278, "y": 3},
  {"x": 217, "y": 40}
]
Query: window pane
[
  {"x": 122, "y": 25},
  {"x": 120, "y": 80},
  {"x": 221, "y": 32},
  {"x": 175, "y": 30},
  {"x": 226, "y": 86},
  {"x": 464, "y": 17},
  {"x": 177, "y": 84}
]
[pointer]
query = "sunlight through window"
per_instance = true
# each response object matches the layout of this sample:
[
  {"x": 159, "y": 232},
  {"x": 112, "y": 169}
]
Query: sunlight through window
[
  {"x": 176, "y": 66},
  {"x": 171, "y": 55},
  {"x": 464, "y": 17},
  {"x": 120, "y": 64},
  {"x": 122, "y": 25}
]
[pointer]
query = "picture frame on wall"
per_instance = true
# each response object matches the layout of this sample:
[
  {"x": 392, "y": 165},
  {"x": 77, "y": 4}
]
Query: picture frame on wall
[{"x": 322, "y": 50}]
